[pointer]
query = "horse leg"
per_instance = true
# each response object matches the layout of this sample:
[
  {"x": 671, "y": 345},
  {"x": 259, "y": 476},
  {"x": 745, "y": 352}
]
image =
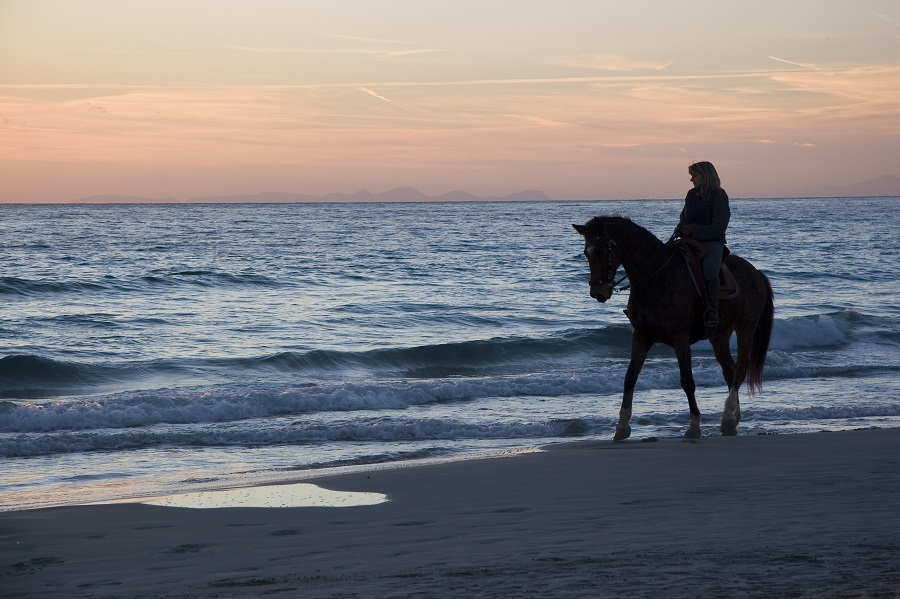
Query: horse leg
[
  {"x": 740, "y": 372},
  {"x": 683, "y": 353},
  {"x": 639, "y": 351},
  {"x": 731, "y": 414}
]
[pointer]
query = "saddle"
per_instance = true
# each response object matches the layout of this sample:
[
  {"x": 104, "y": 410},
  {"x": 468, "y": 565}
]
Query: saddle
[{"x": 693, "y": 252}]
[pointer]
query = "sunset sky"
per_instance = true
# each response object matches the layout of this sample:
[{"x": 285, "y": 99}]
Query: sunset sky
[{"x": 582, "y": 99}]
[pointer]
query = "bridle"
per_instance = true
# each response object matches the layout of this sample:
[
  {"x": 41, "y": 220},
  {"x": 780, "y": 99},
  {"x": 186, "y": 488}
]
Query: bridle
[{"x": 611, "y": 266}]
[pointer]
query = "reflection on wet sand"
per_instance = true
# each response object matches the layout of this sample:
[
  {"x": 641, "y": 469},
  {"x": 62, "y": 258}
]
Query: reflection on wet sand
[{"x": 295, "y": 495}]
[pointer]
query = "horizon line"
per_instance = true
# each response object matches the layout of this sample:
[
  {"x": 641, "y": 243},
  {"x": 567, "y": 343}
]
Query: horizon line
[{"x": 123, "y": 201}]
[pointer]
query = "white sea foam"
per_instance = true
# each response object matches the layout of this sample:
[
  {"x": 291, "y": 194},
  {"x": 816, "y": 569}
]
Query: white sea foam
[{"x": 805, "y": 332}]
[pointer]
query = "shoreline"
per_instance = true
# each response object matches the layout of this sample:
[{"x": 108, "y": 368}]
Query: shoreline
[
  {"x": 806, "y": 515},
  {"x": 286, "y": 477},
  {"x": 273, "y": 478}
]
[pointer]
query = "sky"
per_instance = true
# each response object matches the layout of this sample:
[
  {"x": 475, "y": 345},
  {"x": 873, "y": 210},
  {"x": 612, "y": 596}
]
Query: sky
[{"x": 581, "y": 99}]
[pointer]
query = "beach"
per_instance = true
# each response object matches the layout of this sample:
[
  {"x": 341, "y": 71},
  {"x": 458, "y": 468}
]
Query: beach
[{"x": 805, "y": 515}]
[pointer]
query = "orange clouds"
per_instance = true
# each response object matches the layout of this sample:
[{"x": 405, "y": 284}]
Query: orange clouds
[{"x": 577, "y": 101}]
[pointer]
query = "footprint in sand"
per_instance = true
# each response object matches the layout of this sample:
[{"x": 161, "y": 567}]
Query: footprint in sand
[
  {"x": 189, "y": 548},
  {"x": 287, "y": 532},
  {"x": 31, "y": 566}
]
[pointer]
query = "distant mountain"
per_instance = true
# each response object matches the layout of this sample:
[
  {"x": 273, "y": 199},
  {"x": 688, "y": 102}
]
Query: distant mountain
[
  {"x": 119, "y": 199},
  {"x": 399, "y": 194}
]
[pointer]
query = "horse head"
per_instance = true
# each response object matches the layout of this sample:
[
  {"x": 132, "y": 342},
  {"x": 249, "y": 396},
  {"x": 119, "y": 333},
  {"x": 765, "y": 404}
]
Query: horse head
[{"x": 603, "y": 257}]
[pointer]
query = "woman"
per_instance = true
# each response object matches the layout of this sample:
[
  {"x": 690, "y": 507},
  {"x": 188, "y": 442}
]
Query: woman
[{"x": 705, "y": 218}]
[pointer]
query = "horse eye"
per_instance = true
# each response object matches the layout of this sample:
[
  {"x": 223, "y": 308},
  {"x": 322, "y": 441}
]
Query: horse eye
[{"x": 589, "y": 250}]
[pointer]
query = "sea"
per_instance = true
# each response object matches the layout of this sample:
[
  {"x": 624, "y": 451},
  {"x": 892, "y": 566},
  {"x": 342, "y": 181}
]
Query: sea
[{"x": 152, "y": 349}]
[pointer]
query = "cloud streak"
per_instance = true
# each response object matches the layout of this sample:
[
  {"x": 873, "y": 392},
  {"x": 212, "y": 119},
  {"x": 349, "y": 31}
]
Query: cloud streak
[
  {"x": 380, "y": 97},
  {"x": 332, "y": 51},
  {"x": 807, "y": 65},
  {"x": 615, "y": 62}
]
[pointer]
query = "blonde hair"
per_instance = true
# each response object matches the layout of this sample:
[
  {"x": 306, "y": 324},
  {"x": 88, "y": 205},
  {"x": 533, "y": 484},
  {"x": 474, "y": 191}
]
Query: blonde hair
[{"x": 711, "y": 184}]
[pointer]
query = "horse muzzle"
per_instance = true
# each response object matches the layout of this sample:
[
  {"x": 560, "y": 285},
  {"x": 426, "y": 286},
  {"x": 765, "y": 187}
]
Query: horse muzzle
[{"x": 601, "y": 292}]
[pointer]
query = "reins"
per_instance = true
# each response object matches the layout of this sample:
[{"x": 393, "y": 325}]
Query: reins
[
  {"x": 618, "y": 289},
  {"x": 648, "y": 277}
]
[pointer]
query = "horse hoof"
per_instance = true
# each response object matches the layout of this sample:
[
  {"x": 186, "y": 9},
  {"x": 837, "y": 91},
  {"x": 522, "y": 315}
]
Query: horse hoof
[
  {"x": 622, "y": 433},
  {"x": 692, "y": 433},
  {"x": 729, "y": 431}
]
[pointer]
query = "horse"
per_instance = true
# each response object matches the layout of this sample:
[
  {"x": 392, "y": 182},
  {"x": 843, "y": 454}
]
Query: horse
[{"x": 665, "y": 307}]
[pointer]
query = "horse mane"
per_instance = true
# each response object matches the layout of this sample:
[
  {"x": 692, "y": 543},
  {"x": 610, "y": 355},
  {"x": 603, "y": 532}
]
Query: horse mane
[{"x": 598, "y": 224}]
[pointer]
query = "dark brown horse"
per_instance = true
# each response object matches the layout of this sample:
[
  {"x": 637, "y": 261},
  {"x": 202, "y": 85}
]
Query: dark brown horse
[{"x": 664, "y": 307}]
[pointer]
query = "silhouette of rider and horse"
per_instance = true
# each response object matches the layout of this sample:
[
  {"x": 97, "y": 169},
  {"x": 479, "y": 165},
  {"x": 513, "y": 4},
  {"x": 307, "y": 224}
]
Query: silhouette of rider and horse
[{"x": 685, "y": 290}]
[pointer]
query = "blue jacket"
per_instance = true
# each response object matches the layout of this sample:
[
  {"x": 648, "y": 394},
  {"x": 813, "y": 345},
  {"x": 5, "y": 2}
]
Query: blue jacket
[{"x": 709, "y": 219}]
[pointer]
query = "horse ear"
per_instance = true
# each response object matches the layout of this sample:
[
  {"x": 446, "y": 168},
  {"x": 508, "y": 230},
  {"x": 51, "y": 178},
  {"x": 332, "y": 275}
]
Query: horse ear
[{"x": 579, "y": 228}]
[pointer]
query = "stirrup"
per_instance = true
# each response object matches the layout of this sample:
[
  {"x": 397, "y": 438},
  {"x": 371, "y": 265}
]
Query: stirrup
[{"x": 710, "y": 318}]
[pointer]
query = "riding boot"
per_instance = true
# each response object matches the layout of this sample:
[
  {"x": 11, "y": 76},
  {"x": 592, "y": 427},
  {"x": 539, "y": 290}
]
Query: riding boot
[{"x": 711, "y": 315}]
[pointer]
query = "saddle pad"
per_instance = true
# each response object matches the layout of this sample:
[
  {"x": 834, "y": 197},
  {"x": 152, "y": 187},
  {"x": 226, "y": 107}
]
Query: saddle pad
[{"x": 728, "y": 287}]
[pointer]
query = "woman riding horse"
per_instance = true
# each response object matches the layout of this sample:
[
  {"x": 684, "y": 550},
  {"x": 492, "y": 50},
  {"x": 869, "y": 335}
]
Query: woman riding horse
[
  {"x": 705, "y": 218},
  {"x": 664, "y": 307}
]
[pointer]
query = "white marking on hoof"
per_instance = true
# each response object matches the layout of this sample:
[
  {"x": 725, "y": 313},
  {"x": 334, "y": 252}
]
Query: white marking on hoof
[
  {"x": 693, "y": 431},
  {"x": 731, "y": 402},
  {"x": 731, "y": 415}
]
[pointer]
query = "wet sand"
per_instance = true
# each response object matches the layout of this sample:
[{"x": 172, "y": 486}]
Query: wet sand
[{"x": 812, "y": 515}]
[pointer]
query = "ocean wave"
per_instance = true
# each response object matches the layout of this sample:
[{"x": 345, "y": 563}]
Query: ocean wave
[
  {"x": 36, "y": 376},
  {"x": 137, "y": 284},
  {"x": 209, "y": 278},
  {"x": 813, "y": 413},
  {"x": 26, "y": 287},
  {"x": 236, "y": 402},
  {"x": 240, "y": 401},
  {"x": 363, "y": 430},
  {"x": 815, "y": 331},
  {"x": 801, "y": 347},
  {"x": 456, "y": 358},
  {"x": 403, "y": 429},
  {"x": 29, "y": 374}
]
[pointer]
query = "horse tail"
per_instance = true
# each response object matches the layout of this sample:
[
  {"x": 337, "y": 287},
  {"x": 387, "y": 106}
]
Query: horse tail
[{"x": 760, "y": 345}]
